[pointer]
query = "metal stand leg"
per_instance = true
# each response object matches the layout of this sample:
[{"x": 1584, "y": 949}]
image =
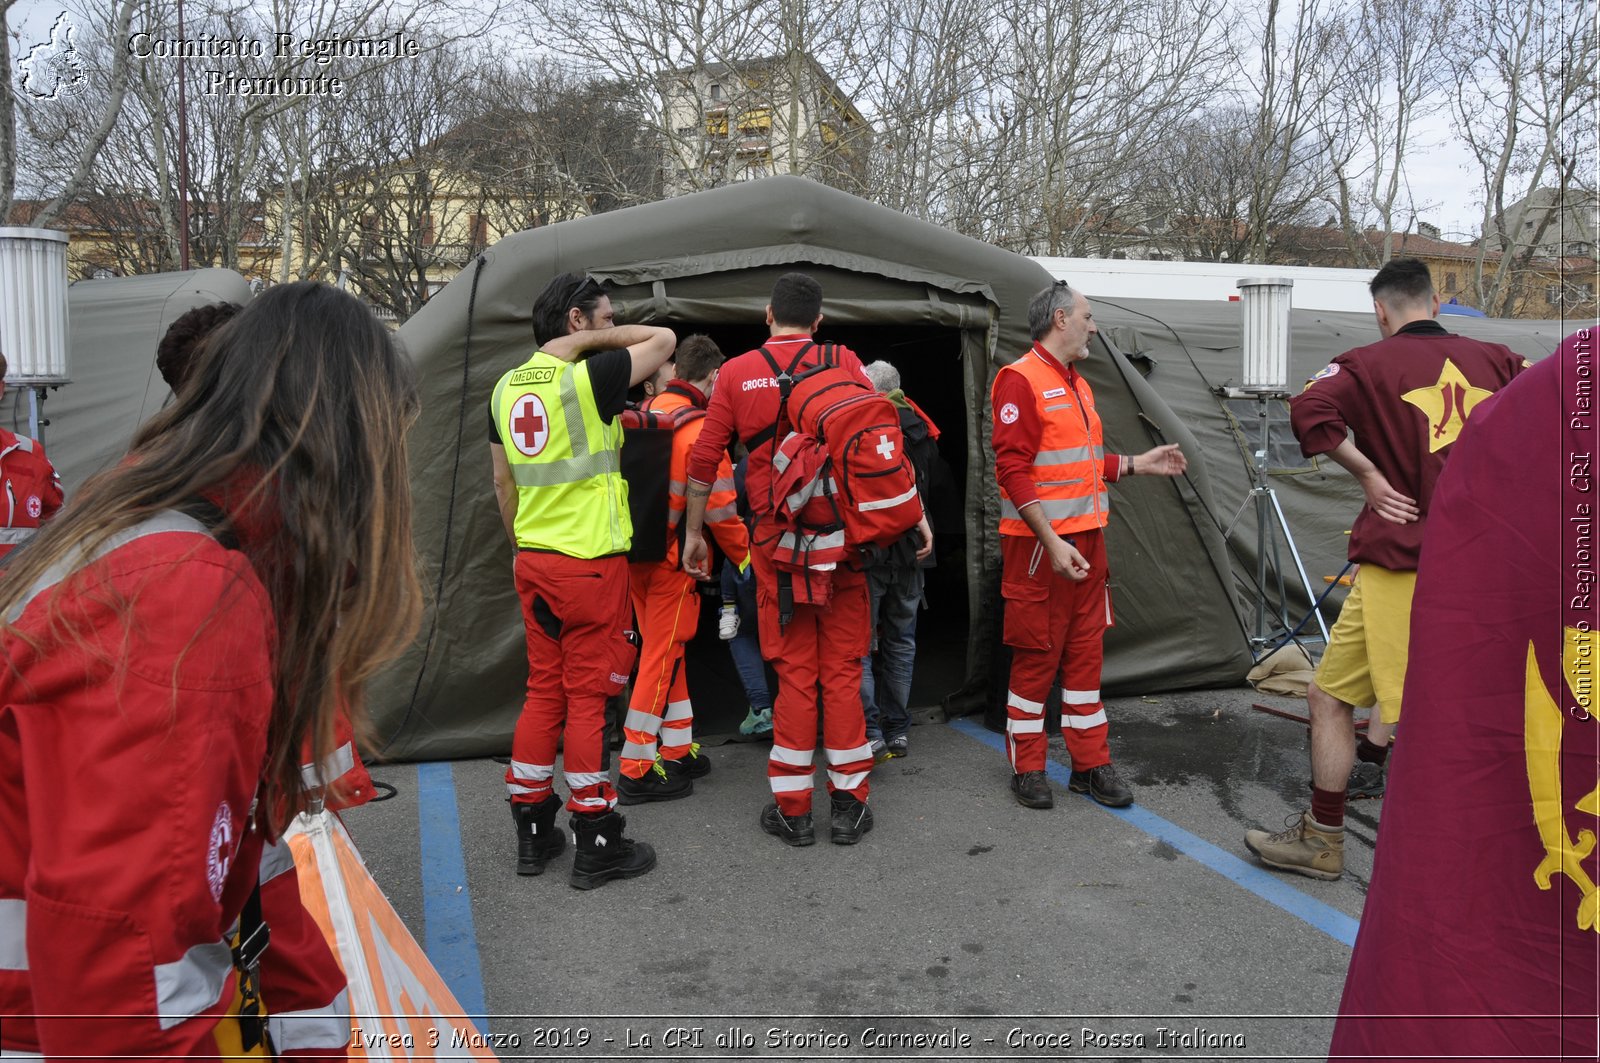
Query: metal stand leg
[
  {"x": 1299, "y": 568},
  {"x": 36, "y": 422},
  {"x": 1268, "y": 513}
]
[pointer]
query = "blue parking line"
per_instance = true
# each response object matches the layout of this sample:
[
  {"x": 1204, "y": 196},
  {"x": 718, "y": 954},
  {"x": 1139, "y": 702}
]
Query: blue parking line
[
  {"x": 451, "y": 941},
  {"x": 1263, "y": 884}
]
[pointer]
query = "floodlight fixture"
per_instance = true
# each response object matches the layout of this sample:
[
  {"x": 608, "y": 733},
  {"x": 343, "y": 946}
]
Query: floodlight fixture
[{"x": 1264, "y": 304}]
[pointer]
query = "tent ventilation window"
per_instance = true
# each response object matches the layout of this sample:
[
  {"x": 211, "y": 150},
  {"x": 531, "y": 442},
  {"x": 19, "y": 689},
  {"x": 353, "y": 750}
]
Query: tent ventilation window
[{"x": 1283, "y": 450}]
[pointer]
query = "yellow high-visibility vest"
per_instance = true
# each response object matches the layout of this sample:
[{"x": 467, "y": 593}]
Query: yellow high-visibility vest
[{"x": 566, "y": 460}]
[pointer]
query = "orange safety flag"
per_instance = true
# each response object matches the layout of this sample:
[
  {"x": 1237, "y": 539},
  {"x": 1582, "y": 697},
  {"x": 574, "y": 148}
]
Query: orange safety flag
[
  {"x": 399, "y": 1006},
  {"x": 1481, "y": 933}
]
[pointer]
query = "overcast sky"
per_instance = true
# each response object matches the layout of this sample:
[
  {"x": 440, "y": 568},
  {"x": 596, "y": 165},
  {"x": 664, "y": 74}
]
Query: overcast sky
[{"x": 1439, "y": 167}]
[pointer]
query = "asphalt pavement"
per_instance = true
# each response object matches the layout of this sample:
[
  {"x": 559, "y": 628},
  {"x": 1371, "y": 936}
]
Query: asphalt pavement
[{"x": 963, "y": 926}]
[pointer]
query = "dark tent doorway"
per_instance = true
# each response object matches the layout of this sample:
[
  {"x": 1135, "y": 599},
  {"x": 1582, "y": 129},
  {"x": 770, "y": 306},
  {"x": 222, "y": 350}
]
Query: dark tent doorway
[
  {"x": 929, "y": 360},
  {"x": 945, "y": 309}
]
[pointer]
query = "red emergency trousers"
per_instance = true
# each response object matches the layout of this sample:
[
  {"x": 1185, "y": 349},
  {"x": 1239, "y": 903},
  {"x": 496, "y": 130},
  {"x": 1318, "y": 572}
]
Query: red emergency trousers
[
  {"x": 665, "y": 603},
  {"x": 819, "y": 649},
  {"x": 668, "y": 612},
  {"x": 577, "y": 618},
  {"x": 1056, "y": 630}
]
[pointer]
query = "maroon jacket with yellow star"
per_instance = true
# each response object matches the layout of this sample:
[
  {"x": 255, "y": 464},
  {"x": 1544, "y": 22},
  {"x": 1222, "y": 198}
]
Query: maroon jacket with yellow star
[
  {"x": 1406, "y": 399},
  {"x": 1481, "y": 933}
]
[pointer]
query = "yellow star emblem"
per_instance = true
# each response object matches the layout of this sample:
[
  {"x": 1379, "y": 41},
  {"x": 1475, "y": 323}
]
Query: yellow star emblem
[{"x": 1446, "y": 404}]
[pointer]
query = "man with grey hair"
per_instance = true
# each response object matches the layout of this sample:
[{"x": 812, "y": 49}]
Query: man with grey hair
[
  {"x": 1052, "y": 468},
  {"x": 894, "y": 586},
  {"x": 885, "y": 377}
]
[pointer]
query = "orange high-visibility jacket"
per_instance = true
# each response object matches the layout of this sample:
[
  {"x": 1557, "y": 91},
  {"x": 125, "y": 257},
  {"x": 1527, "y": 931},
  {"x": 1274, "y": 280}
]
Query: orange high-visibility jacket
[
  {"x": 722, "y": 510},
  {"x": 1069, "y": 469}
]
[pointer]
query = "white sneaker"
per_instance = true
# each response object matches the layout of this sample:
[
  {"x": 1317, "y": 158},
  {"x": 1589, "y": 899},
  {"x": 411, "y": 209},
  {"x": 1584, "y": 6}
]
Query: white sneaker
[{"x": 728, "y": 623}]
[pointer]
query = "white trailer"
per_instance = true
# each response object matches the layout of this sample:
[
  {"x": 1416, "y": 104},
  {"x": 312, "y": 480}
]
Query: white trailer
[{"x": 1315, "y": 287}]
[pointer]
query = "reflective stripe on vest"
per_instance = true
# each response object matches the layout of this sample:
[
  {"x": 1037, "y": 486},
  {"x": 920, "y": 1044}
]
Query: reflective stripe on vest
[
  {"x": 276, "y": 859},
  {"x": 565, "y": 460},
  {"x": 1069, "y": 469},
  {"x": 187, "y": 986},
  {"x": 327, "y": 1027},
  {"x": 168, "y": 520},
  {"x": 332, "y": 767},
  {"x": 13, "y": 934}
]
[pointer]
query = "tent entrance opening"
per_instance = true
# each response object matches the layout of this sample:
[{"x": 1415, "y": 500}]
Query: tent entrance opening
[{"x": 931, "y": 372}]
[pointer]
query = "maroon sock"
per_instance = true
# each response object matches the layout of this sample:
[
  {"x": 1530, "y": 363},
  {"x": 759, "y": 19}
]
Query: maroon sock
[
  {"x": 1327, "y": 807},
  {"x": 1371, "y": 754}
]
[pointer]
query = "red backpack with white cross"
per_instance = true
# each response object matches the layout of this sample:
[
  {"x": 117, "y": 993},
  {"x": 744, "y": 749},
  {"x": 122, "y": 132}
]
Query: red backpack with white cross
[{"x": 842, "y": 486}]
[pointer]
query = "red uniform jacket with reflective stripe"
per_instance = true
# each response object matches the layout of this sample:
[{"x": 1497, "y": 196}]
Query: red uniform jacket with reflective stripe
[
  {"x": 1049, "y": 447},
  {"x": 30, "y": 489},
  {"x": 745, "y": 403},
  {"x": 722, "y": 512},
  {"x": 129, "y": 853},
  {"x": 342, "y": 772}
]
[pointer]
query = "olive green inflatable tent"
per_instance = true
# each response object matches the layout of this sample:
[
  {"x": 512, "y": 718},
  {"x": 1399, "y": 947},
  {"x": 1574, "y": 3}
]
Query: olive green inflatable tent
[
  {"x": 1189, "y": 352},
  {"x": 945, "y": 309},
  {"x": 114, "y": 326}
]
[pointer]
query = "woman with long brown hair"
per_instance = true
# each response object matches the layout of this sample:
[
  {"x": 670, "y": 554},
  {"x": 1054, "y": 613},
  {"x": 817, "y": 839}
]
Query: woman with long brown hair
[{"x": 169, "y": 643}]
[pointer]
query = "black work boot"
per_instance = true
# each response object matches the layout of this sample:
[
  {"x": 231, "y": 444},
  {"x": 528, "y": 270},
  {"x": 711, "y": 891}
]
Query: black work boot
[
  {"x": 697, "y": 765},
  {"x": 603, "y": 853},
  {"x": 792, "y": 830},
  {"x": 850, "y": 818},
  {"x": 1032, "y": 790},
  {"x": 539, "y": 840},
  {"x": 657, "y": 784},
  {"x": 1103, "y": 784}
]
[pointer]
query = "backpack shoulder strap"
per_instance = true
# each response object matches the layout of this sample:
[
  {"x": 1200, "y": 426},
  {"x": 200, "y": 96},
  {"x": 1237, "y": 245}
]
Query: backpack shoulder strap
[
  {"x": 799, "y": 356},
  {"x": 784, "y": 377}
]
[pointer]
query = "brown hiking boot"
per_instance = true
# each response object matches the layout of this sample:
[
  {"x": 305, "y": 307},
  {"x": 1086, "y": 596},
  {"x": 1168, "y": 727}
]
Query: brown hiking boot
[
  {"x": 1305, "y": 847},
  {"x": 1032, "y": 790}
]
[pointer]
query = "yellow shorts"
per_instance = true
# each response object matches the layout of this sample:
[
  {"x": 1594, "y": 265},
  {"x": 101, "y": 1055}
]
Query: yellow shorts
[{"x": 1366, "y": 659}]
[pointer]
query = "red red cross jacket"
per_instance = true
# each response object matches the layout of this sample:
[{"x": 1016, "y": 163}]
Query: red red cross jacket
[
  {"x": 130, "y": 753},
  {"x": 745, "y": 404},
  {"x": 30, "y": 490}
]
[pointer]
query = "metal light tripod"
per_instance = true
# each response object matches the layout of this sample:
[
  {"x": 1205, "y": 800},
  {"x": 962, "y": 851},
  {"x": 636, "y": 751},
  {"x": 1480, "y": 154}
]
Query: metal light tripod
[
  {"x": 1270, "y": 525},
  {"x": 36, "y": 418}
]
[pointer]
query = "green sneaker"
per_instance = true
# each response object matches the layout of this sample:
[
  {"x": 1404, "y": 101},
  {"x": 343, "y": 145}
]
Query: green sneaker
[{"x": 757, "y": 723}]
